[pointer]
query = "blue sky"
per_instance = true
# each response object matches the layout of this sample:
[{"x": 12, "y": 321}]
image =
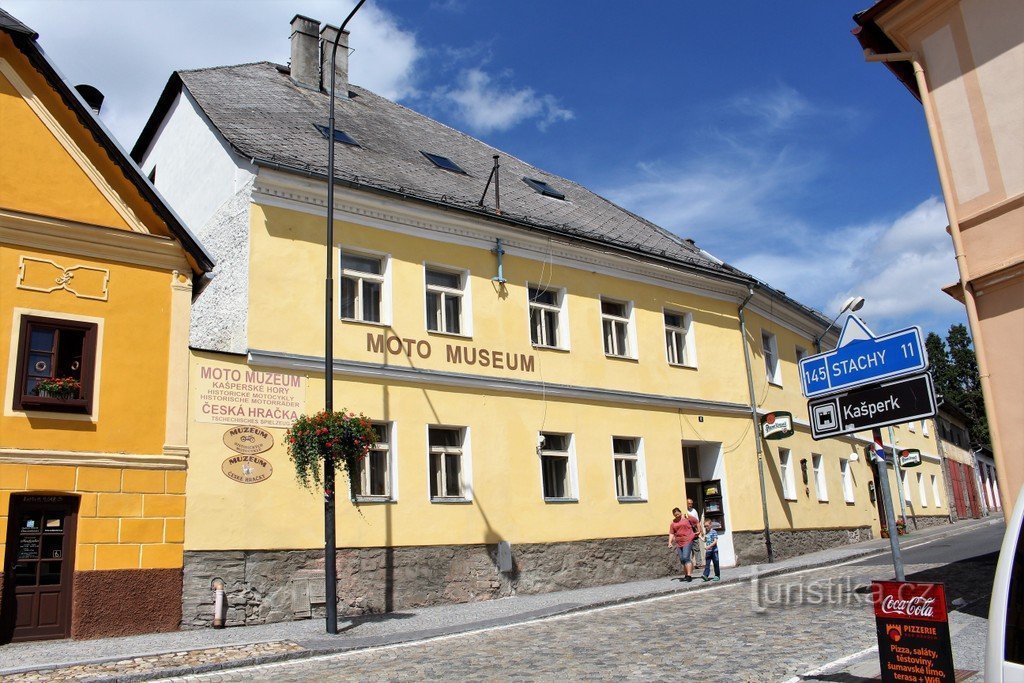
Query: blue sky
[{"x": 755, "y": 128}]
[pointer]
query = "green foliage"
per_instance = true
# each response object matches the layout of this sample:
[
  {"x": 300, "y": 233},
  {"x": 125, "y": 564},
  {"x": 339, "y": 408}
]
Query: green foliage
[
  {"x": 347, "y": 437},
  {"x": 58, "y": 387},
  {"x": 954, "y": 369}
]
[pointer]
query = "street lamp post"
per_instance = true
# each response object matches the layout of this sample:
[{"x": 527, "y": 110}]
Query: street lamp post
[
  {"x": 854, "y": 303},
  {"x": 330, "y": 544}
]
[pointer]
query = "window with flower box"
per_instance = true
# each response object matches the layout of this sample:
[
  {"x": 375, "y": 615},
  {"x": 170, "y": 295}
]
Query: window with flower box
[{"x": 56, "y": 365}]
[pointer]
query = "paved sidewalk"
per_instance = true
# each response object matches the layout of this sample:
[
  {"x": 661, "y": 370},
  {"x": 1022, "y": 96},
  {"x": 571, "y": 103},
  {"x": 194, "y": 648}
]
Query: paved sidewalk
[{"x": 181, "y": 653}]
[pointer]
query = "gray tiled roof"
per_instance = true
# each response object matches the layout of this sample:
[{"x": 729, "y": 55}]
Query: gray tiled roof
[{"x": 266, "y": 117}]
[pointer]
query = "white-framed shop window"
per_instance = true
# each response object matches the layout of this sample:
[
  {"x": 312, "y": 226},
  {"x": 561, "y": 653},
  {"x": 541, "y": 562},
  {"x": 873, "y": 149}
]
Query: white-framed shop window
[
  {"x": 788, "y": 476},
  {"x": 365, "y": 287},
  {"x": 448, "y": 303},
  {"x": 770, "y": 349},
  {"x": 679, "y": 339},
  {"x": 449, "y": 464},
  {"x": 373, "y": 479},
  {"x": 557, "y": 467},
  {"x": 847, "y": 478},
  {"x": 549, "y": 321},
  {"x": 617, "y": 328},
  {"x": 921, "y": 493},
  {"x": 820, "y": 484},
  {"x": 935, "y": 491},
  {"x": 628, "y": 463}
]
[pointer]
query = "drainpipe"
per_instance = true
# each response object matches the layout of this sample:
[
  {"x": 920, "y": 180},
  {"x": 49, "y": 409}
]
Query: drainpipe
[
  {"x": 954, "y": 232},
  {"x": 757, "y": 425}
]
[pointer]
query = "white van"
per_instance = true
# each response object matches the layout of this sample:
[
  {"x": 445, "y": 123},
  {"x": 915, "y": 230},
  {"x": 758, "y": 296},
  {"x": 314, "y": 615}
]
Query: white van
[{"x": 1004, "y": 658}]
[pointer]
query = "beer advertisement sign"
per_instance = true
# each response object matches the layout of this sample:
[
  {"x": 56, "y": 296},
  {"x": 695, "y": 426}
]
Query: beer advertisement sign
[{"x": 913, "y": 632}]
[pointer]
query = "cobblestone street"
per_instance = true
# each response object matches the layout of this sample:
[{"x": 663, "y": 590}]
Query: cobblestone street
[{"x": 767, "y": 630}]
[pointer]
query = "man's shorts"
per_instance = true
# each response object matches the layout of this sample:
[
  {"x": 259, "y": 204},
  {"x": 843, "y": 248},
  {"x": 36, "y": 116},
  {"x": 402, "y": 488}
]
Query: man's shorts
[{"x": 684, "y": 552}]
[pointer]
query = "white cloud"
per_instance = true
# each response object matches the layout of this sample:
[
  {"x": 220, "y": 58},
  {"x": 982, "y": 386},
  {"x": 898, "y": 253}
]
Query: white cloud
[
  {"x": 486, "y": 106},
  {"x": 777, "y": 107}
]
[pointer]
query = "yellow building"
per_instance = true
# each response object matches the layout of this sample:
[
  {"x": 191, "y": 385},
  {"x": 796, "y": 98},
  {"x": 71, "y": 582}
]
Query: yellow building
[
  {"x": 548, "y": 380},
  {"x": 964, "y": 61},
  {"x": 95, "y": 288}
]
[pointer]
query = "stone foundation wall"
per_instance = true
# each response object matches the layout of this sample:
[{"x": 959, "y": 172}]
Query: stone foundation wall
[
  {"x": 750, "y": 549},
  {"x": 925, "y": 522},
  {"x": 270, "y": 586}
]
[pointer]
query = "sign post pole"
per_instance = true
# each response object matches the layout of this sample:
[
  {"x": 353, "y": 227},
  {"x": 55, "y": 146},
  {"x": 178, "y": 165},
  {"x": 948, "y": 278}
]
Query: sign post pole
[{"x": 890, "y": 517}]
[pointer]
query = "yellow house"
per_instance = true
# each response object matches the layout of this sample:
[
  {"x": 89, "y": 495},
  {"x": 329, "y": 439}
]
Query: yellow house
[
  {"x": 547, "y": 380},
  {"x": 96, "y": 281}
]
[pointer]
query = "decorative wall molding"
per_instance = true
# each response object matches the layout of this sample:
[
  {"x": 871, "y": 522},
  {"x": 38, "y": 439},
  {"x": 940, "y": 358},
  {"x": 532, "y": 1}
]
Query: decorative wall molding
[
  {"x": 72, "y": 148},
  {"x": 65, "y": 278},
  {"x": 392, "y": 373},
  {"x": 20, "y": 456}
]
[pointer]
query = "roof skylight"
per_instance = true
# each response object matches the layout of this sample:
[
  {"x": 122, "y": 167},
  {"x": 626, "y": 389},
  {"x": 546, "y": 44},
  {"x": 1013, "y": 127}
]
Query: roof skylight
[
  {"x": 443, "y": 162},
  {"x": 543, "y": 188},
  {"x": 339, "y": 135}
]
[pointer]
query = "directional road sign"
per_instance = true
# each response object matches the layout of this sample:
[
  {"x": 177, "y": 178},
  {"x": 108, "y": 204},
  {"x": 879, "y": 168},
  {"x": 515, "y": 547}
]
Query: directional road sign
[
  {"x": 902, "y": 400},
  {"x": 861, "y": 359}
]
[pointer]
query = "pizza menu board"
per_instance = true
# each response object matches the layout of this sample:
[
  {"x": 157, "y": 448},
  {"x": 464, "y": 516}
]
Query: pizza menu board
[{"x": 913, "y": 632}]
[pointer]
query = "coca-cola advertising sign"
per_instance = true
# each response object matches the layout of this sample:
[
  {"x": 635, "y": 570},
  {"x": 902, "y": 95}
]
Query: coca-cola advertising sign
[{"x": 913, "y": 631}]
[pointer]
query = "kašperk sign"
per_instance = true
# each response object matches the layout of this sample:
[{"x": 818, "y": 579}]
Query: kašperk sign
[
  {"x": 903, "y": 400},
  {"x": 862, "y": 358},
  {"x": 777, "y": 424}
]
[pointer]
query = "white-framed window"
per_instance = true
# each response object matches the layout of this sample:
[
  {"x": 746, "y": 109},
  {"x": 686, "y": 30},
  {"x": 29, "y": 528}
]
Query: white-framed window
[
  {"x": 627, "y": 457},
  {"x": 372, "y": 477},
  {"x": 448, "y": 463},
  {"x": 679, "y": 342},
  {"x": 617, "y": 328},
  {"x": 935, "y": 491},
  {"x": 820, "y": 485},
  {"x": 447, "y": 301},
  {"x": 557, "y": 467},
  {"x": 549, "y": 324},
  {"x": 906, "y": 488},
  {"x": 847, "y": 477},
  {"x": 912, "y": 427},
  {"x": 924, "y": 427},
  {"x": 365, "y": 287},
  {"x": 788, "y": 476},
  {"x": 921, "y": 493},
  {"x": 801, "y": 353},
  {"x": 770, "y": 349}
]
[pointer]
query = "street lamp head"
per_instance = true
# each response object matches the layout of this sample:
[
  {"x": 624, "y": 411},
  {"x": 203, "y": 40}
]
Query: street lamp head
[{"x": 854, "y": 303}]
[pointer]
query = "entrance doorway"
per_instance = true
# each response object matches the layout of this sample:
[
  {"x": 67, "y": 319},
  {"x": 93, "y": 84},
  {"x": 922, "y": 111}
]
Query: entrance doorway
[
  {"x": 703, "y": 464},
  {"x": 38, "y": 567}
]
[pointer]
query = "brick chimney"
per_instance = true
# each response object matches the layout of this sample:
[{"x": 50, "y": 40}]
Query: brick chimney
[
  {"x": 327, "y": 35},
  {"x": 305, "y": 65}
]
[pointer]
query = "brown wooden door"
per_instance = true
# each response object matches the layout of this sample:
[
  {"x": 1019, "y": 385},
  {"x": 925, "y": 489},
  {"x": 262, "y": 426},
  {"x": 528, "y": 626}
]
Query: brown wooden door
[
  {"x": 39, "y": 567},
  {"x": 956, "y": 480}
]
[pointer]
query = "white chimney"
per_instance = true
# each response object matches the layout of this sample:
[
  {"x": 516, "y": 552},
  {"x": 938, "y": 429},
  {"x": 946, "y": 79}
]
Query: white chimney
[
  {"x": 305, "y": 65},
  {"x": 327, "y": 36}
]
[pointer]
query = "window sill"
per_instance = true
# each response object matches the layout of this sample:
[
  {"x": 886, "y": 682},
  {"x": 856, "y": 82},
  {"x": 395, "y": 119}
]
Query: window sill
[
  {"x": 775, "y": 384},
  {"x": 374, "y": 500},
  {"x": 561, "y": 500},
  {"x": 851, "y": 502},
  {"x": 545, "y": 347},
  {"x": 55, "y": 405},
  {"x": 612, "y": 356},
  {"x": 791, "y": 500},
  {"x": 823, "y": 501},
  {"x": 371, "y": 323},
  {"x": 683, "y": 366},
  {"x": 457, "y": 335},
  {"x": 456, "y": 501},
  {"x": 631, "y": 499}
]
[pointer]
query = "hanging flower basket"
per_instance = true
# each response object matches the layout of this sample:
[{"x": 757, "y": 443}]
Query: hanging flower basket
[
  {"x": 58, "y": 387},
  {"x": 347, "y": 437}
]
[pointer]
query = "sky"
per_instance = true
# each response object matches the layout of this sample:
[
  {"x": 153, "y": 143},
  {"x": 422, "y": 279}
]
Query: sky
[{"x": 754, "y": 128}]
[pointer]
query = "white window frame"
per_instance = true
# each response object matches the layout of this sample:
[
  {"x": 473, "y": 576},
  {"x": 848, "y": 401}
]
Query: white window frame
[
  {"x": 770, "y": 351},
  {"x": 463, "y": 292},
  {"x": 465, "y": 465},
  {"x": 847, "y": 478},
  {"x": 363, "y": 471},
  {"x": 799, "y": 353},
  {"x": 935, "y": 490},
  {"x": 571, "y": 474},
  {"x": 561, "y": 308},
  {"x": 384, "y": 280},
  {"x": 924, "y": 428},
  {"x": 921, "y": 491},
  {"x": 820, "y": 480},
  {"x": 788, "y": 476},
  {"x": 906, "y": 489},
  {"x": 628, "y": 320},
  {"x": 912, "y": 427},
  {"x": 688, "y": 343},
  {"x": 637, "y": 457}
]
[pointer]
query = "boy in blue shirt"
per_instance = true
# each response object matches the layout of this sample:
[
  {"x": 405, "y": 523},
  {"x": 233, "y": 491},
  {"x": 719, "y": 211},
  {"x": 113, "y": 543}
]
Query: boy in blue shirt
[{"x": 711, "y": 552}]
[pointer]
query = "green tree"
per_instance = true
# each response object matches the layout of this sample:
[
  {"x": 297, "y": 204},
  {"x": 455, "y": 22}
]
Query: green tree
[{"x": 954, "y": 369}]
